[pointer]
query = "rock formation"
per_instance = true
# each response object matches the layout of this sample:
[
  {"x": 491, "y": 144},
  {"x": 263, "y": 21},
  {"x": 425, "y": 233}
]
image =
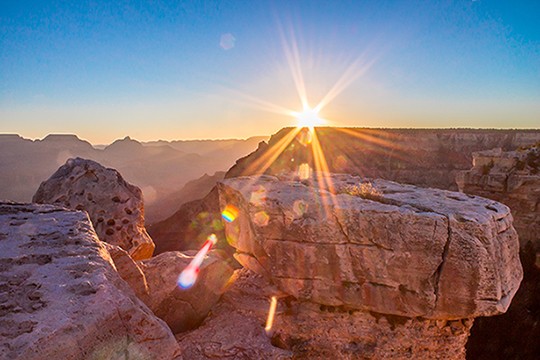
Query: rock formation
[
  {"x": 235, "y": 327},
  {"x": 403, "y": 250},
  {"x": 424, "y": 258},
  {"x": 184, "y": 309},
  {"x": 61, "y": 297},
  {"x": 513, "y": 178},
  {"x": 115, "y": 207},
  {"x": 423, "y": 157}
]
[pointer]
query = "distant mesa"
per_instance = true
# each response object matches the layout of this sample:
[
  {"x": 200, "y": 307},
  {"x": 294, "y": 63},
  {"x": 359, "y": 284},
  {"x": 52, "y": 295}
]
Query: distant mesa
[
  {"x": 61, "y": 137},
  {"x": 10, "y": 137}
]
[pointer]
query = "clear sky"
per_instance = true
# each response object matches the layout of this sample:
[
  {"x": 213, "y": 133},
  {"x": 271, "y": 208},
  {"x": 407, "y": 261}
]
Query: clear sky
[{"x": 183, "y": 70}]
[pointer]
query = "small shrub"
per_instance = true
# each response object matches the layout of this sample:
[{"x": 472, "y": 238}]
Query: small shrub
[{"x": 364, "y": 190}]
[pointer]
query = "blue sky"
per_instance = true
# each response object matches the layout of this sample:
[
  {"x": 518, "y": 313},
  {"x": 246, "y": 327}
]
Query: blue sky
[{"x": 104, "y": 70}]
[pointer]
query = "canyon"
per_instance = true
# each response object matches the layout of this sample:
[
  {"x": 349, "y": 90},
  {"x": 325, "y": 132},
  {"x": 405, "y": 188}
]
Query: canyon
[{"x": 359, "y": 265}]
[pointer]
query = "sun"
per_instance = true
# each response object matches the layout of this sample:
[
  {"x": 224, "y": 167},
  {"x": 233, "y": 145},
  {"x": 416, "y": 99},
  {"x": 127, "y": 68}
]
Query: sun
[{"x": 308, "y": 118}]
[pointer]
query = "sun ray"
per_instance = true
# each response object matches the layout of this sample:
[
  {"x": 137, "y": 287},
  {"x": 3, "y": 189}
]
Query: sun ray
[
  {"x": 260, "y": 165},
  {"x": 321, "y": 172},
  {"x": 358, "y": 68},
  {"x": 257, "y": 103},
  {"x": 384, "y": 146},
  {"x": 292, "y": 54}
]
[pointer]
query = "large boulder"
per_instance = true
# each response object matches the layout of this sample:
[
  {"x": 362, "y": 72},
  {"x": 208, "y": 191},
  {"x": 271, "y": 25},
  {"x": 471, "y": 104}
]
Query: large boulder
[
  {"x": 61, "y": 297},
  {"x": 377, "y": 246},
  {"x": 184, "y": 309},
  {"x": 115, "y": 207}
]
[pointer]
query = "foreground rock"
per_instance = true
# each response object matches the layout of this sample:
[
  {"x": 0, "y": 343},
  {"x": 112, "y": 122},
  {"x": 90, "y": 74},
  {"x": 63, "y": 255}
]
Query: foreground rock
[
  {"x": 61, "y": 297},
  {"x": 184, "y": 309},
  {"x": 513, "y": 178},
  {"x": 235, "y": 327},
  {"x": 389, "y": 248},
  {"x": 304, "y": 330},
  {"x": 115, "y": 207},
  {"x": 128, "y": 270}
]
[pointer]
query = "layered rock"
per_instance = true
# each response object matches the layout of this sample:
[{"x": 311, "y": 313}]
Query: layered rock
[
  {"x": 304, "y": 330},
  {"x": 184, "y": 309},
  {"x": 513, "y": 178},
  {"x": 424, "y": 157},
  {"x": 395, "y": 249},
  {"x": 61, "y": 295},
  {"x": 115, "y": 207}
]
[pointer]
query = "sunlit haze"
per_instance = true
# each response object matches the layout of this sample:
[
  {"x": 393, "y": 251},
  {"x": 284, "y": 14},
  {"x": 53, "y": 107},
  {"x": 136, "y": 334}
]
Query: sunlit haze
[{"x": 185, "y": 70}]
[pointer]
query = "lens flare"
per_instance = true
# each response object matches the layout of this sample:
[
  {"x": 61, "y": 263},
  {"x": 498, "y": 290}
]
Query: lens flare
[
  {"x": 304, "y": 171},
  {"x": 258, "y": 196},
  {"x": 188, "y": 276},
  {"x": 271, "y": 315},
  {"x": 230, "y": 213},
  {"x": 261, "y": 218},
  {"x": 300, "y": 207},
  {"x": 305, "y": 136}
]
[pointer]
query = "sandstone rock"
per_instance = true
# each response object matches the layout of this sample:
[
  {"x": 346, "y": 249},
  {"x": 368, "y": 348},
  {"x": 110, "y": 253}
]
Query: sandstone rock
[
  {"x": 61, "y": 297},
  {"x": 128, "y": 270},
  {"x": 183, "y": 309},
  {"x": 513, "y": 178},
  {"x": 114, "y": 206},
  {"x": 397, "y": 249},
  {"x": 304, "y": 330},
  {"x": 235, "y": 327}
]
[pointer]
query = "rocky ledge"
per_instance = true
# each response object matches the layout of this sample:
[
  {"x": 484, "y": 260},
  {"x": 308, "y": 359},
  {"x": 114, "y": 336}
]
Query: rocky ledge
[
  {"x": 376, "y": 246},
  {"x": 61, "y": 296}
]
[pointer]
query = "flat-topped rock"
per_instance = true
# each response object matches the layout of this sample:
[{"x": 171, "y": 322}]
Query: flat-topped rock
[
  {"x": 115, "y": 207},
  {"x": 61, "y": 297},
  {"x": 377, "y": 246}
]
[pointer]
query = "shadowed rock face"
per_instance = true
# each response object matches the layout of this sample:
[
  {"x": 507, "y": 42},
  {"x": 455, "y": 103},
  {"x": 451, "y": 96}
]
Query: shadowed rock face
[
  {"x": 114, "y": 206},
  {"x": 396, "y": 249},
  {"x": 61, "y": 297},
  {"x": 189, "y": 227},
  {"x": 184, "y": 309}
]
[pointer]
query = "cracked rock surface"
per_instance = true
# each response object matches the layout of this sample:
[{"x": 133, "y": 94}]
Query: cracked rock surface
[
  {"x": 387, "y": 247},
  {"x": 61, "y": 297},
  {"x": 115, "y": 207}
]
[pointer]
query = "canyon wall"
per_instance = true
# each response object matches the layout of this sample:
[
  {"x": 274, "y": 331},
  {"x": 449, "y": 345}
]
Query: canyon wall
[{"x": 424, "y": 157}]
